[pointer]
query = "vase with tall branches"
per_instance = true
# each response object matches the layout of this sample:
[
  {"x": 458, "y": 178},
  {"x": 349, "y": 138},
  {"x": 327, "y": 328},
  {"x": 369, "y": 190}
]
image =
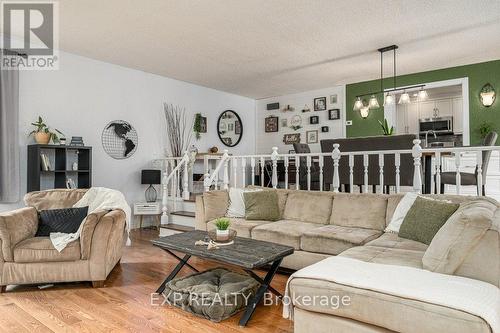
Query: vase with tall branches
[{"x": 179, "y": 132}]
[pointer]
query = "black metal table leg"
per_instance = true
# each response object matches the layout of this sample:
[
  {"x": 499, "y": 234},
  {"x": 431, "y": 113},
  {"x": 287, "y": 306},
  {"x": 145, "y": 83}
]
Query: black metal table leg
[
  {"x": 172, "y": 274},
  {"x": 180, "y": 259},
  {"x": 259, "y": 279},
  {"x": 265, "y": 285}
]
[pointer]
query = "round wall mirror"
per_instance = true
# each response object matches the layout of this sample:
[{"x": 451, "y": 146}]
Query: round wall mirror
[{"x": 230, "y": 128}]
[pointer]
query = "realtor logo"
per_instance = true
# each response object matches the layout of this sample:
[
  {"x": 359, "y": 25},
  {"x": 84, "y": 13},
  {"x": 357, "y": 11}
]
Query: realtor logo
[{"x": 30, "y": 35}]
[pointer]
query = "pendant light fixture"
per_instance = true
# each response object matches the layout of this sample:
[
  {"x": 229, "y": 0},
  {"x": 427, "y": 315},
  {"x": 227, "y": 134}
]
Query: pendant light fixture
[
  {"x": 390, "y": 94},
  {"x": 358, "y": 104},
  {"x": 404, "y": 98}
]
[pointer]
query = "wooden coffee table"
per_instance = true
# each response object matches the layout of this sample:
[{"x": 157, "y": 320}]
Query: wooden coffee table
[{"x": 249, "y": 254}]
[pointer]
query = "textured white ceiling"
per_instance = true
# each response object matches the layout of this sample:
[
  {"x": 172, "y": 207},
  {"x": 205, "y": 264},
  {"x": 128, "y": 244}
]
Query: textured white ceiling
[{"x": 262, "y": 48}]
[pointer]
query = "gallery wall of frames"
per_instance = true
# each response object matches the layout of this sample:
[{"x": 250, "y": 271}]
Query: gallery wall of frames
[{"x": 306, "y": 117}]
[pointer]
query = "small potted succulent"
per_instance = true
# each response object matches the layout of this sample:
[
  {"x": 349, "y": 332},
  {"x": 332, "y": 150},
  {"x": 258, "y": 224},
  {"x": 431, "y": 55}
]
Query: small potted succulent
[
  {"x": 43, "y": 134},
  {"x": 222, "y": 228}
]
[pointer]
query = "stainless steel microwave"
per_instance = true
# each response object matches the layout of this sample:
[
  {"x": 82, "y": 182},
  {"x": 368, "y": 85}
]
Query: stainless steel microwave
[{"x": 439, "y": 125}]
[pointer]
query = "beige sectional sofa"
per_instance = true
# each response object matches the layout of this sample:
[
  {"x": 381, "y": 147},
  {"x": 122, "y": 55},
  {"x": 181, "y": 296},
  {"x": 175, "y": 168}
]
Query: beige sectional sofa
[{"x": 323, "y": 224}]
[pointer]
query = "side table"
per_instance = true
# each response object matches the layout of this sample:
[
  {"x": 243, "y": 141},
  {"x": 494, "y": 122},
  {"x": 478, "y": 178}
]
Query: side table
[{"x": 148, "y": 209}]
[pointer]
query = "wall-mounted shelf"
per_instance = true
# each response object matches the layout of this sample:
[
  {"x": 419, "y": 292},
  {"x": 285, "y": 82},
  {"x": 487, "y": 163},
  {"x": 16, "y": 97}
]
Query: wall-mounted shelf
[{"x": 61, "y": 159}]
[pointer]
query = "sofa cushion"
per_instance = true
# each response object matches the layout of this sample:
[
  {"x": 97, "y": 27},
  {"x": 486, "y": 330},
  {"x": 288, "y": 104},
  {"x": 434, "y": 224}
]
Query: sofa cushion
[
  {"x": 262, "y": 205},
  {"x": 40, "y": 249},
  {"x": 359, "y": 210},
  {"x": 242, "y": 227},
  {"x": 334, "y": 239},
  {"x": 394, "y": 313},
  {"x": 425, "y": 218},
  {"x": 459, "y": 235},
  {"x": 52, "y": 199},
  {"x": 308, "y": 207},
  {"x": 285, "y": 232},
  {"x": 391, "y": 240},
  {"x": 385, "y": 255},
  {"x": 216, "y": 204}
]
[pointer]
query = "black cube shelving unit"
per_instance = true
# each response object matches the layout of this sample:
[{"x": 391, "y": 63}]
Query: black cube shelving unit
[{"x": 61, "y": 159}]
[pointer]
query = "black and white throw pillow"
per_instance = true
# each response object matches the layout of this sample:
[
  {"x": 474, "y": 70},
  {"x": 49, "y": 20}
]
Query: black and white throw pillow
[{"x": 66, "y": 220}]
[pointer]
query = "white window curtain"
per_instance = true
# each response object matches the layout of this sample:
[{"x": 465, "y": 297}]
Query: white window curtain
[{"x": 9, "y": 135}]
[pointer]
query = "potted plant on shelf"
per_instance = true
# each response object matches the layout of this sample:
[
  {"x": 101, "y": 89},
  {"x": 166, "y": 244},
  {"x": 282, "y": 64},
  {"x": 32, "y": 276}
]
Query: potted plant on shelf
[
  {"x": 385, "y": 127},
  {"x": 222, "y": 228},
  {"x": 43, "y": 134}
]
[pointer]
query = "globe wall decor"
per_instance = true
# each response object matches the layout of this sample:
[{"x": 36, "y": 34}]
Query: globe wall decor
[{"x": 119, "y": 139}]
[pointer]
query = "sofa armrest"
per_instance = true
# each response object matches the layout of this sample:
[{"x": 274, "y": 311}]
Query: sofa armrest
[
  {"x": 107, "y": 244},
  {"x": 88, "y": 232},
  {"x": 16, "y": 226},
  {"x": 200, "y": 222}
]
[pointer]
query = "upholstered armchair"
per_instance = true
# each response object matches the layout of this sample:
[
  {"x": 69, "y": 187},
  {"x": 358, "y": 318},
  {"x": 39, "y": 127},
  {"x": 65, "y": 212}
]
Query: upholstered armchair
[{"x": 25, "y": 259}]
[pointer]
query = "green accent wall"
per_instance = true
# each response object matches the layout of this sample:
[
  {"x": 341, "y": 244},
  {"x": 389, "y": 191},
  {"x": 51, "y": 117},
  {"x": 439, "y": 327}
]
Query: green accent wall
[{"x": 478, "y": 74}]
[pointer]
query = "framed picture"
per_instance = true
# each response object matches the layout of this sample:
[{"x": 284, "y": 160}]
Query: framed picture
[
  {"x": 325, "y": 129},
  {"x": 291, "y": 151},
  {"x": 273, "y": 106},
  {"x": 203, "y": 125},
  {"x": 290, "y": 139},
  {"x": 312, "y": 136},
  {"x": 284, "y": 122},
  {"x": 320, "y": 104},
  {"x": 333, "y": 99},
  {"x": 334, "y": 114},
  {"x": 237, "y": 127},
  {"x": 313, "y": 120},
  {"x": 271, "y": 124}
]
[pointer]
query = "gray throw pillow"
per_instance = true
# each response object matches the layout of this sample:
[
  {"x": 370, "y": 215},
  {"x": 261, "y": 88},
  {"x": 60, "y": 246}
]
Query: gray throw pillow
[
  {"x": 262, "y": 205},
  {"x": 66, "y": 220},
  {"x": 425, "y": 218}
]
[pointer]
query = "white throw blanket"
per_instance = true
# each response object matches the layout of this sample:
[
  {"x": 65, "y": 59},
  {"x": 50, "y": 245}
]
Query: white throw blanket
[
  {"x": 472, "y": 296},
  {"x": 96, "y": 198}
]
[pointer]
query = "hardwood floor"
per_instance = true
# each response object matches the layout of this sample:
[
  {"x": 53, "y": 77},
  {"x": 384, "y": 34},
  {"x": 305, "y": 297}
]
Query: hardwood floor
[{"x": 123, "y": 305}]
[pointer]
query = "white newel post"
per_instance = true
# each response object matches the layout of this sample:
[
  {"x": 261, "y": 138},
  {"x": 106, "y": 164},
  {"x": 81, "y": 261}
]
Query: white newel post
[
  {"x": 381, "y": 172},
  {"x": 243, "y": 172},
  {"x": 297, "y": 173},
  {"x": 397, "y": 162},
  {"x": 321, "y": 164},
  {"x": 365, "y": 173},
  {"x": 308, "y": 166},
  {"x": 274, "y": 158},
  {"x": 438, "y": 173},
  {"x": 206, "y": 182},
  {"x": 458, "y": 178},
  {"x": 417, "y": 162},
  {"x": 336, "y": 159},
  {"x": 286, "y": 172},
  {"x": 479, "y": 161},
  {"x": 252, "y": 166},
  {"x": 164, "y": 198},
  {"x": 185, "y": 176},
  {"x": 351, "y": 173},
  {"x": 225, "y": 157}
]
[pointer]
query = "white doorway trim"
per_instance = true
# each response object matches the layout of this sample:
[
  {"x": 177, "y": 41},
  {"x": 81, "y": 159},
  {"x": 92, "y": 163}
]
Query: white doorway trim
[{"x": 390, "y": 111}]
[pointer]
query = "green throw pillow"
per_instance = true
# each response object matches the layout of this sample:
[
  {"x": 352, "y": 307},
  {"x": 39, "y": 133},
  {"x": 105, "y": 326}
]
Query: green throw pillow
[
  {"x": 425, "y": 218},
  {"x": 261, "y": 205}
]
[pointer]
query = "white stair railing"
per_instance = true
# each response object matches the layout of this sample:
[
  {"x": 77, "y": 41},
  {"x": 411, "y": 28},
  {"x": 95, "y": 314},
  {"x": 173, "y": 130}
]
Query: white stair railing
[
  {"x": 171, "y": 176},
  {"x": 315, "y": 163}
]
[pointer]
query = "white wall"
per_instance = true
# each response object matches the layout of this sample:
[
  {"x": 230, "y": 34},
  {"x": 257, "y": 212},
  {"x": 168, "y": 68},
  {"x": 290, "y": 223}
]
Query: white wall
[
  {"x": 84, "y": 95},
  {"x": 265, "y": 141}
]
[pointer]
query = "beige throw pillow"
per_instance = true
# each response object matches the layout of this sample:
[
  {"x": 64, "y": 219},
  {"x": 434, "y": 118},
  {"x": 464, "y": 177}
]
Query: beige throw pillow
[
  {"x": 216, "y": 203},
  {"x": 458, "y": 236}
]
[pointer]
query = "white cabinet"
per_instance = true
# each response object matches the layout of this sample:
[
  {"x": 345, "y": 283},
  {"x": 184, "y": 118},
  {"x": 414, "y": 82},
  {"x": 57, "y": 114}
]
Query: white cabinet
[
  {"x": 408, "y": 115},
  {"x": 443, "y": 108},
  {"x": 458, "y": 121},
  {"x": 407, "y": 119},
  {"x": 427, "y": 109}
]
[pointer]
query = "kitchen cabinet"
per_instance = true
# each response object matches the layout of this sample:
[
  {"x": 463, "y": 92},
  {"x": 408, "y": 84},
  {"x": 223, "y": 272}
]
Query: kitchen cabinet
[
  {"x": 407, "y": 119},
  {"x": 458, "y": 121}
]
